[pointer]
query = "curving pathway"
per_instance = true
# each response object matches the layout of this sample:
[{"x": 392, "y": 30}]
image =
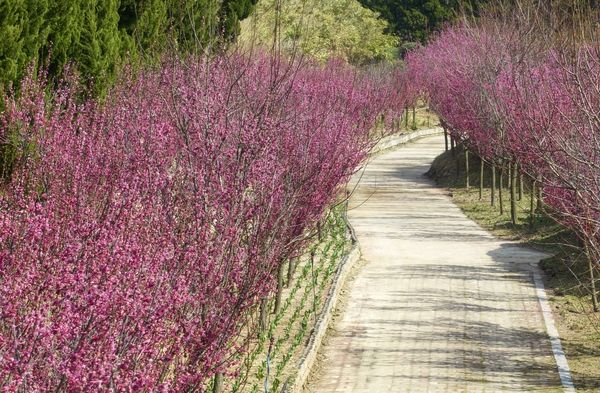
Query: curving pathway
[{"x": 440, "y": 305}]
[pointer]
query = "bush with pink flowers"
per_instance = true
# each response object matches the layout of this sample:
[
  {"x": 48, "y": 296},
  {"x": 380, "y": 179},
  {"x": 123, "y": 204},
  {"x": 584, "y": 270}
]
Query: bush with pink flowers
[{"x": 138, "y": 235}]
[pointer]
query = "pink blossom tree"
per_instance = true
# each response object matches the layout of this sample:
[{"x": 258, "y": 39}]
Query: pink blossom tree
[{"x": 138, "y": 236}]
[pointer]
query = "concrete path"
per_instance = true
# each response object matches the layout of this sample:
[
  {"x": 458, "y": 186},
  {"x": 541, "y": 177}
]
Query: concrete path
[{"x": 440, "y": 306}]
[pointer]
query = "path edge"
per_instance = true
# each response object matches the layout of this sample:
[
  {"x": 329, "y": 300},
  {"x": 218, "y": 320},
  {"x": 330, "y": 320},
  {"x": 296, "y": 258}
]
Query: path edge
[
  {"x": 307, "y": 360},
  {"x": 392, "y": 141},
  {"x": 559, "y": 355}
]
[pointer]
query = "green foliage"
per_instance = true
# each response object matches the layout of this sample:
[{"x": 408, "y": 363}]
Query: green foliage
[
  {"x": 414, "y": 20},
  {"x": 98, "y": 35},
  {"x": 100, "y": 41},
  {"x": 321, "y": 29},
  {"x": 22, "y": 29},
  {"x": 232, "y": 12}
]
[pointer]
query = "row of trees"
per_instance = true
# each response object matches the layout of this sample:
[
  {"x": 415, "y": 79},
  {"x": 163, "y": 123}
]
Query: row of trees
[
  {"x": 521, "y": 90},
  {"x": 137, "y": 237},
  {"x": 98, "y": 35}
]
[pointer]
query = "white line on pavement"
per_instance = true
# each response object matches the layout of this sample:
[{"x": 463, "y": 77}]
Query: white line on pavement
[{"x": 559, "y": 354}]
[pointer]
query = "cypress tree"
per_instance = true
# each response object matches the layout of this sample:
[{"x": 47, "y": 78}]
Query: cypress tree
[
  {"x": 99, "y": 46},
  {"x": 23, "y": 32},
  {"x": 231, "y": 13},
  {"x": 143, "y": 25},
  {"x": 64, "y": 24},
  {"x": 11, "y": 27},
  {"x": 98, "y": 34}
]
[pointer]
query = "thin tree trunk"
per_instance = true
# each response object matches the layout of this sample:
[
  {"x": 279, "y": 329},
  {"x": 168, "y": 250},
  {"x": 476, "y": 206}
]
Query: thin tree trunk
[
  {"x": 452, "y": 146},
  {"x": 279, "y": 292},
  {"x": 513, "y": 193},
  {"x": 520, "y": 187},
  {"x": 414, "y": 124},
  {"x": 218, "y": 383},
  {"x": 493, "y": 198},
  {"x": 467, "y": 167},
  {"x": 481, "y": 169},
  {"x": 592, "y": 282},
  {"x": 501, "y": 184},
  {"x": 446, "y": 139},
  {"x": 539, "y": 196},
  {"x": 406, "y": 119},
  {"x": 262, "y": 322},
  {"x": 314, "y": 284},
  {"x": 532, "y": 205},
  {"x": 290, "y": 272}
]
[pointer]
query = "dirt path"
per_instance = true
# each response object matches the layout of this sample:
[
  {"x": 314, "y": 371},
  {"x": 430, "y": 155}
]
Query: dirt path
[{"x": 439, "y": 305}]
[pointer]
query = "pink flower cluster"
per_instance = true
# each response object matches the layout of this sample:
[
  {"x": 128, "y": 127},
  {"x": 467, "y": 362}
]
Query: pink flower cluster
[
  {"x": 138, "y": 235},
  {"x": 511, "y": 97}
]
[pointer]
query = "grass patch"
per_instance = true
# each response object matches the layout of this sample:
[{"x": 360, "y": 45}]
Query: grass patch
[{"x": 567, "y": 274}]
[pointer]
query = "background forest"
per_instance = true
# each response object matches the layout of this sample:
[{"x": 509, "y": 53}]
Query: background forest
[{"x": 99, "y": 35}]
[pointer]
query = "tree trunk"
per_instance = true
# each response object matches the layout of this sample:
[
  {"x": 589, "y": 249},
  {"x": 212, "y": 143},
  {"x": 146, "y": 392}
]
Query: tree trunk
[
  {"x": 218, "y": 383},
  {"x": 501, "y": 184},
  {"x": 594, "y": 294},
  {"x": 414, "y": 124},
  {"x": 452, "y": 146},
  {"x": 314, "y": 284},
  {"x": 279, "y": 292},
  {"x": 493, "y": 198},
  {"x": 406, "y": 119},
  {"x": 467, "y": 167},
  {"x": 346, "y": 205},
  {"x": 481, "y": 169},
  {"x": 532, "y": 205},
  {"x": 592, "y": 282},
  {"x": 520, "y": 187},
  {"x": 446, "y": 139},
  {"x": 513, "y": 193},
  {"x": 539, "y": 196},
  {"x": 290, "y": 272},
  {"x": 262, "y": 322}
]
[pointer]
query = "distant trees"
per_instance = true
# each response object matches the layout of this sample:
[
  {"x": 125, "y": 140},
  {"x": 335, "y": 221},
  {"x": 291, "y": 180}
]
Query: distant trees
[
  {"x": 321, "y": 29},
  {"x": 415, "y": 20},
  {"x": 98, "y": 34},
  {"x": 412, "y": 20}
]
